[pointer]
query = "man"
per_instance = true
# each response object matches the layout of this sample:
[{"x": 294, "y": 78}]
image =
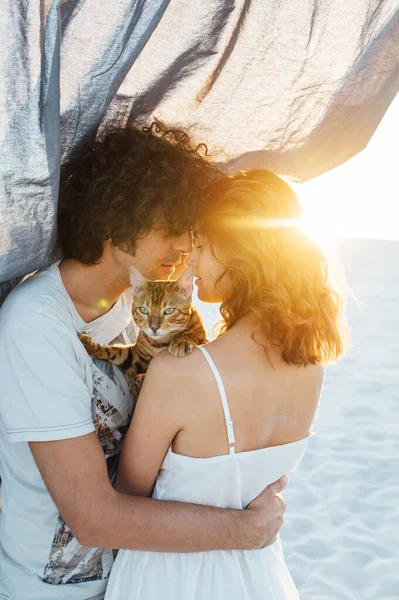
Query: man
[{"x": 129, "y": 199}]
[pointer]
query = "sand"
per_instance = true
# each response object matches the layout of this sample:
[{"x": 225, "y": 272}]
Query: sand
[{"x": 341, "y": 531}]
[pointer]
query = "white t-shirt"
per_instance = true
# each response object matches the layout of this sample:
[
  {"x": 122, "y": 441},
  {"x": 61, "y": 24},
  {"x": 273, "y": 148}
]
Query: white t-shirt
[{"x": 50, "y": 389}]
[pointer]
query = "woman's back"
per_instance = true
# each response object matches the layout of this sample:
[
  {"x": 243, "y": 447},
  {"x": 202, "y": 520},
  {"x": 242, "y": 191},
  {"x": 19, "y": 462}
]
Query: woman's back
[
  {"x": 233, "y": 477},
  {"x": 271, "y": 403}
]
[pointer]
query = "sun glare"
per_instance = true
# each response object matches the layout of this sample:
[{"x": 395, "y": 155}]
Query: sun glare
[
  {"x": 323, "y": 232},
  {"x": 319, "y": 219},
  {"x": 333, "y": 208},
  {"x": 359, "y": 198}
]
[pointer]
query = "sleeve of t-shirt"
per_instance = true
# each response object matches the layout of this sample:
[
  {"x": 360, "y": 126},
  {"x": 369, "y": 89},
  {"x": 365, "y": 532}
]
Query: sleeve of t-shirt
[{"x": 44, "y": 394}]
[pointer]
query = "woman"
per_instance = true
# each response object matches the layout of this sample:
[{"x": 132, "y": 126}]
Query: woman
[{"x": 219, "y": 425}]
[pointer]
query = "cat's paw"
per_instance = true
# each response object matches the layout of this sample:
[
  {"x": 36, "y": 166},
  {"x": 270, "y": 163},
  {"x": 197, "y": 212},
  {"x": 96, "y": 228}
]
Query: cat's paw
[
  {"x": 91, "y": 347},
  {"x": 181, "y": 347}
]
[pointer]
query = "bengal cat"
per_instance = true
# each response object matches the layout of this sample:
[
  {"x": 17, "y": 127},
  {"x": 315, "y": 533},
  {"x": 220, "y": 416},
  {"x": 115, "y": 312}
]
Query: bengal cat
[{"x": 167, "y": 320}]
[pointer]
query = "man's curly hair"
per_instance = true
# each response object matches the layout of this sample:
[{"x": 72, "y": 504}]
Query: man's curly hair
[{"x": 121, "y": 185}]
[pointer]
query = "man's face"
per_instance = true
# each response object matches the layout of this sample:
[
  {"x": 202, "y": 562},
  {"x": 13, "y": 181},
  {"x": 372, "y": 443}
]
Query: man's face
[{"x": 158, "y": 254}]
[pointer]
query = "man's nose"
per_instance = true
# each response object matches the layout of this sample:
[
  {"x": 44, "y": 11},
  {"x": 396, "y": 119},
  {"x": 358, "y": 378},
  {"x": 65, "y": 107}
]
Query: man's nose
[{"x": 183, "y": 243}]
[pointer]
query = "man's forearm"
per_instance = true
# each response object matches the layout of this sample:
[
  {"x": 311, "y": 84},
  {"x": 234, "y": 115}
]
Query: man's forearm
[
  {"x": 105, "y": 518},
  {"x": 145, "y": 524}
]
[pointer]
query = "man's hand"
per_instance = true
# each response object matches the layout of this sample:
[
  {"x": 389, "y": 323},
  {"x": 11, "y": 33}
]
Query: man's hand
[{"x": 266, "y": 512}]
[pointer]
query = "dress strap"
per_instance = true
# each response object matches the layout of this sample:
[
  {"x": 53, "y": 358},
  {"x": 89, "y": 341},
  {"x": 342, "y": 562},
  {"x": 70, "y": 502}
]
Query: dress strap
[{"x": 223, "y": 397}]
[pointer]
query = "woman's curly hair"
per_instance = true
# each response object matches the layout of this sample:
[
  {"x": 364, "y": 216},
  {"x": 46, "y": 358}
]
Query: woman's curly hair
[
  {"x": 121, "y": 185},
  {"x": 275, "y": 270}
]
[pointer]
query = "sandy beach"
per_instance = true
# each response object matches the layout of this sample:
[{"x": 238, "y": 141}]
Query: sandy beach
[
  {"x": 341, "y": 535},
  {"x": 341, "y": 531}
]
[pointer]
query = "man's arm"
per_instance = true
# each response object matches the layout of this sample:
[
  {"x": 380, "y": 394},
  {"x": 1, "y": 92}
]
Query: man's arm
[{"x": 75, "y": 473}]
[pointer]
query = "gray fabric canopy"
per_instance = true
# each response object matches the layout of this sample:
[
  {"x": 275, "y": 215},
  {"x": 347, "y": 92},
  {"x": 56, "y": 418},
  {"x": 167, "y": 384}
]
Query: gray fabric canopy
[{"x": 295, "y": 87}]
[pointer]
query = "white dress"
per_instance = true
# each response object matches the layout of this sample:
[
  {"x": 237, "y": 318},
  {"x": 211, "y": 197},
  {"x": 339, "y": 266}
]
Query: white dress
[{"x": 228, "y": 481}]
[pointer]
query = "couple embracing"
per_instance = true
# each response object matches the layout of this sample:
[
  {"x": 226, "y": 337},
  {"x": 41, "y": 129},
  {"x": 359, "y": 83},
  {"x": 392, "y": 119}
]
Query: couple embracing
[{"x": 188, "y": 490}]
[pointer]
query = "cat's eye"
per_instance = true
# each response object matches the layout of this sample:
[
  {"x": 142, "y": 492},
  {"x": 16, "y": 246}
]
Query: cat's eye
[
  {"x": 169, "y": 311},
  {"x": 144, "y": 310}
]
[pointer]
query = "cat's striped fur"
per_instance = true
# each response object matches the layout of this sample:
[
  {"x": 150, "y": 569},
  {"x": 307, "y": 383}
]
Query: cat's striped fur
[{"x": 179, "y": 332}]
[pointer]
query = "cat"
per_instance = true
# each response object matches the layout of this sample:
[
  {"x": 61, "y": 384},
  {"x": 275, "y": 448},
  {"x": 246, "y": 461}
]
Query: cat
[{"x": 167, "y": 320}]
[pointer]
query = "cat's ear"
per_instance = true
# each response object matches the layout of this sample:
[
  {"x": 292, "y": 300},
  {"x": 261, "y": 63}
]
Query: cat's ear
[
  {"x": 185, "y": 283},
  {"x": 137, "y": 281}
]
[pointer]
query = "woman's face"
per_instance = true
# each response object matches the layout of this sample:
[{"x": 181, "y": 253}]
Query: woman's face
[{"x": 207, "y": 271}]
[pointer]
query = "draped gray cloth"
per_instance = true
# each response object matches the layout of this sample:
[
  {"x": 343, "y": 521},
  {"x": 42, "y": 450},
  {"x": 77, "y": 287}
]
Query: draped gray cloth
[{"x": 295, "y": 87}]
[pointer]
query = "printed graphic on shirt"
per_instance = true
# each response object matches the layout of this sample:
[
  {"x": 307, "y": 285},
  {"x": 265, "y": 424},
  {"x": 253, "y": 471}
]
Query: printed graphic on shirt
[{"x": 70, "y": 562}]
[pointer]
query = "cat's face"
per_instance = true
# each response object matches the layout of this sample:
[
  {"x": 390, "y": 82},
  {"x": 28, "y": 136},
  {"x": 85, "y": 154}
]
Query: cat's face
[{"x": 161, "y": 307}]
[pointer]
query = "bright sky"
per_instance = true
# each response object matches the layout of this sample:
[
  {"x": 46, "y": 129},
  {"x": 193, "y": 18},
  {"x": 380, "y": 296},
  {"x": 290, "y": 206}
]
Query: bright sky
[{"x": 361, "y": 197}]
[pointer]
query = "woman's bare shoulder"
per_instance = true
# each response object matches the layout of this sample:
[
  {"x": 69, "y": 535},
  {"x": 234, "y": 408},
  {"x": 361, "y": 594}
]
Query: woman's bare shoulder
[{"x": 192, "y": 366}]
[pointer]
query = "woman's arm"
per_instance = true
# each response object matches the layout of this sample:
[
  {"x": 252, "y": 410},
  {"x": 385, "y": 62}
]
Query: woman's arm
[{"x": 157, "y": 419}]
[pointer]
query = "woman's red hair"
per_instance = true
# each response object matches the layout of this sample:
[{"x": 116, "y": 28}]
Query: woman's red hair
[{"x": 275, "y": 270}]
